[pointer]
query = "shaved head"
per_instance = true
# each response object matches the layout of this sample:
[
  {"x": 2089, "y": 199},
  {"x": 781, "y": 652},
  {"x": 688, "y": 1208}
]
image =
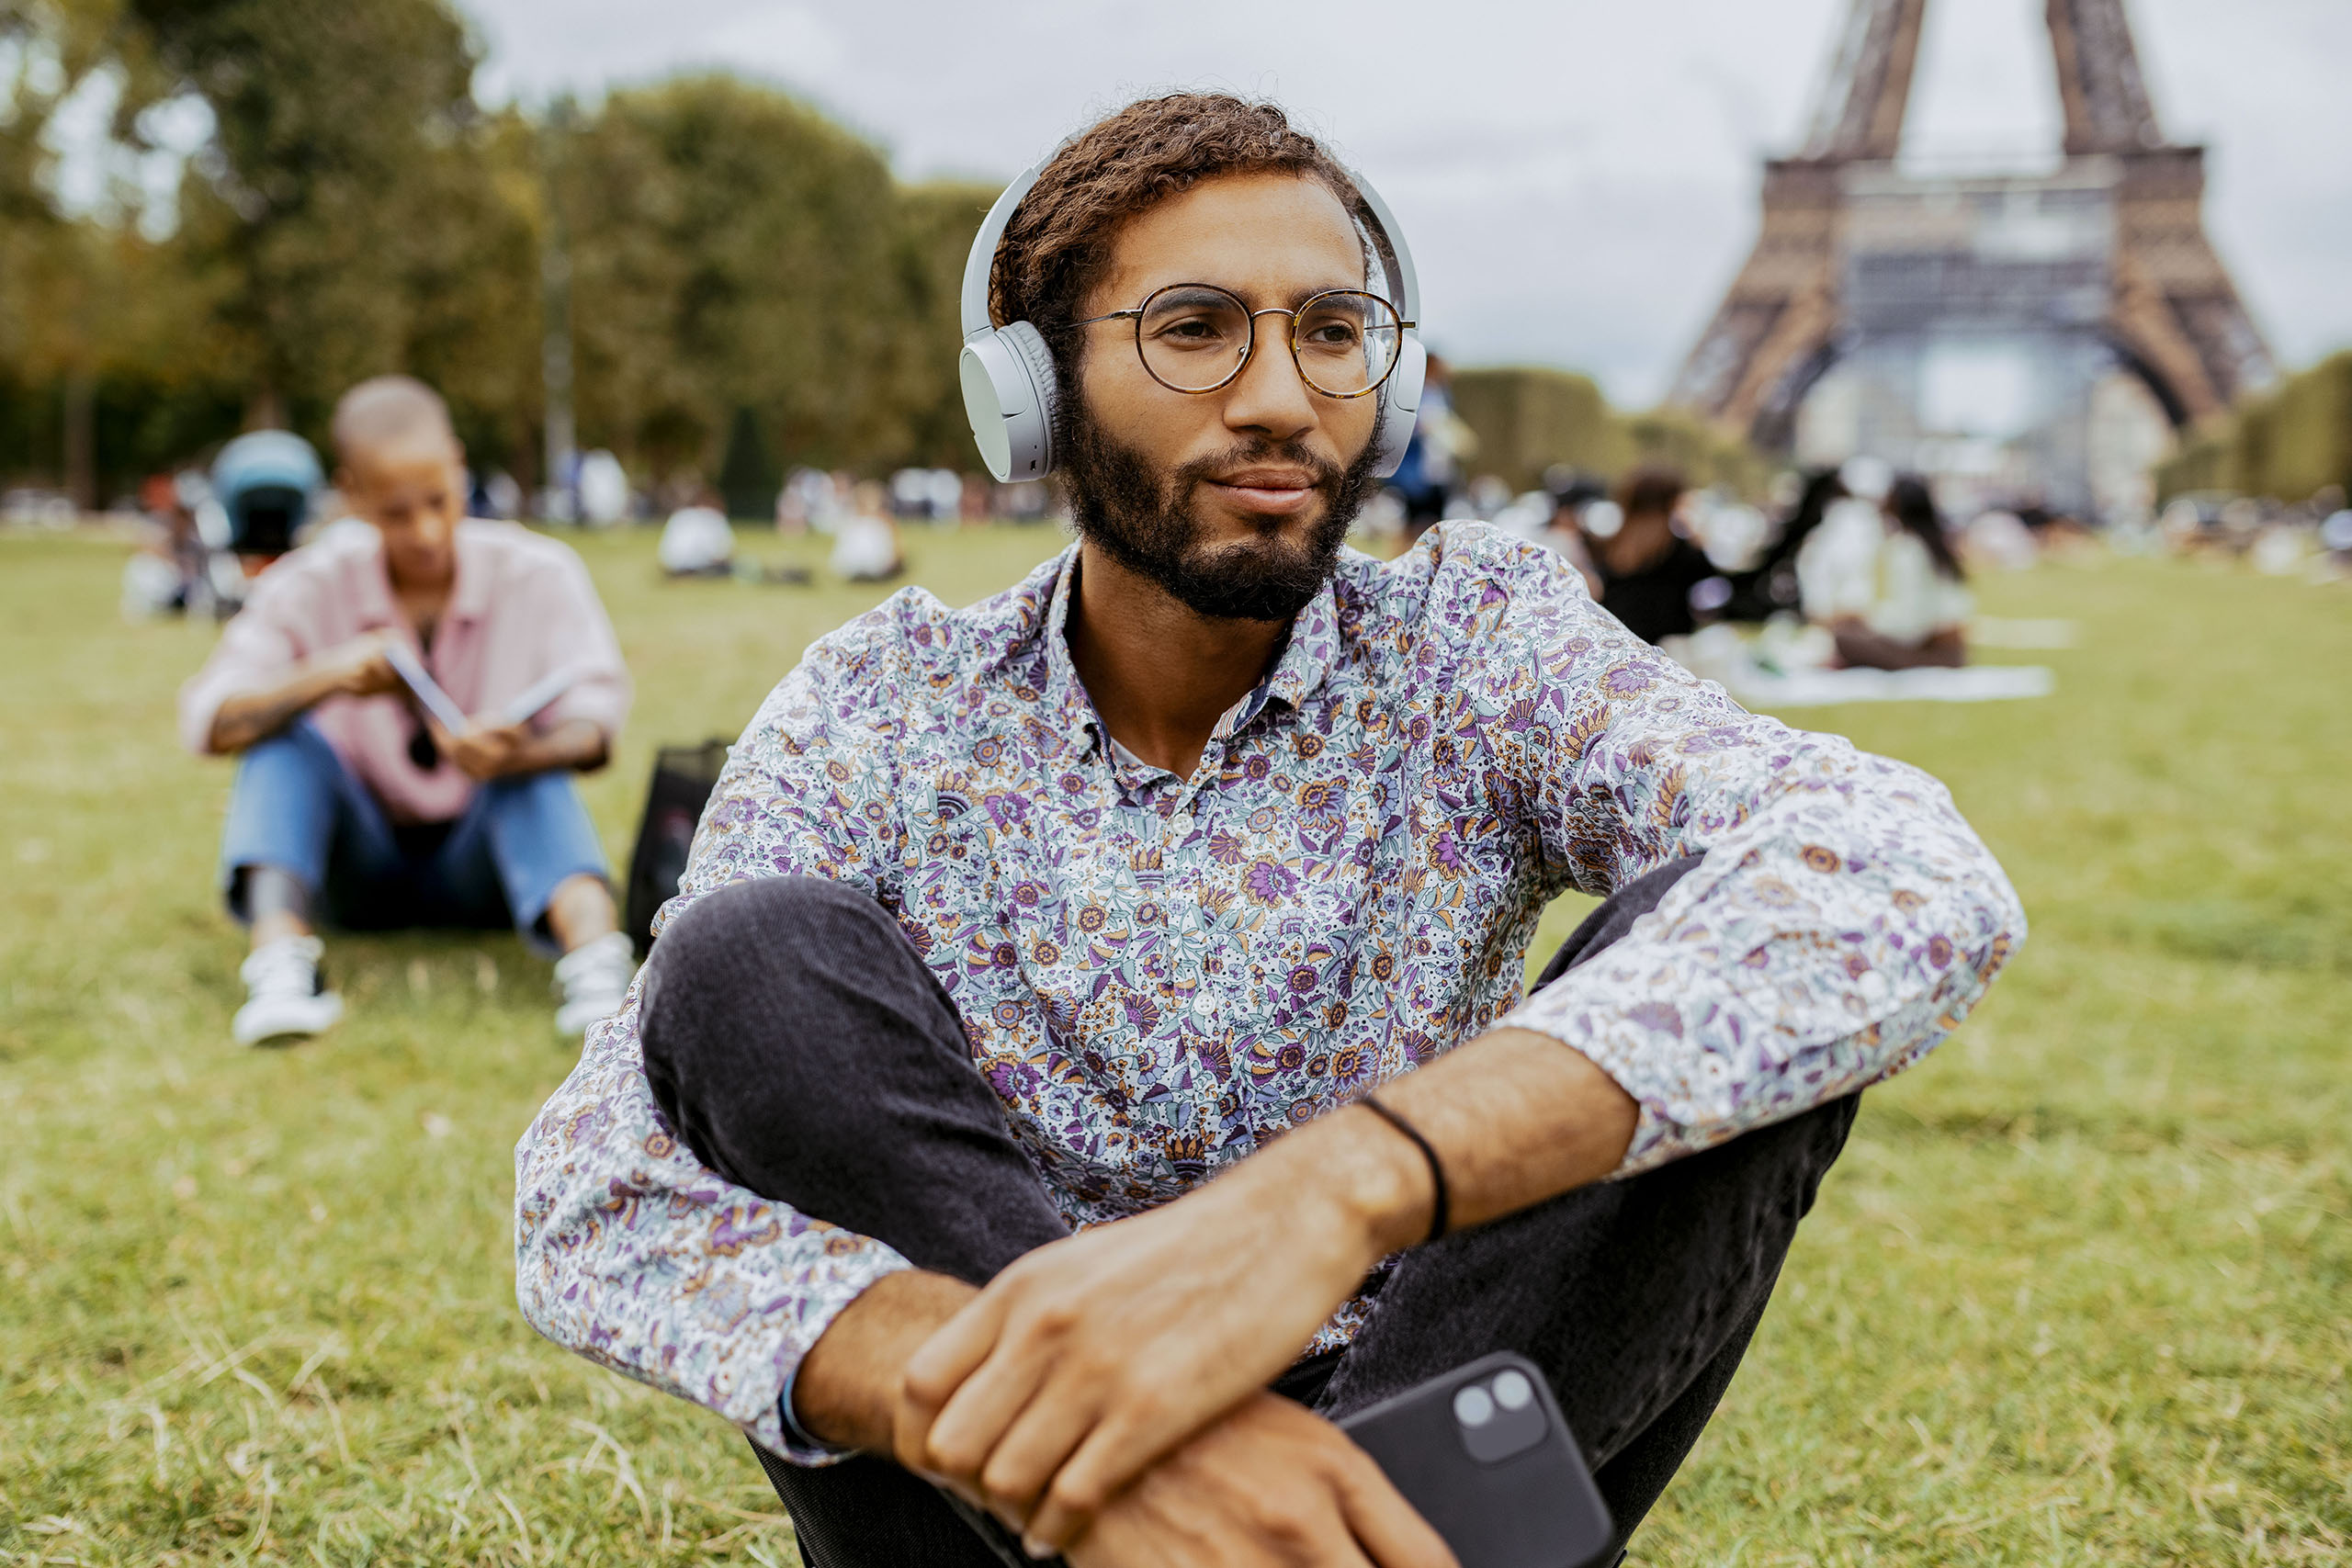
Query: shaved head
[
  {"x": 401, "y": 470},
  {"x": 389, "y": 411}
]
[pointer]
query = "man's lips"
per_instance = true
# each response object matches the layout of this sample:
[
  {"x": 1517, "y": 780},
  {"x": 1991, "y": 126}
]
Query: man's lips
[{"x": 1268, "y": 489}]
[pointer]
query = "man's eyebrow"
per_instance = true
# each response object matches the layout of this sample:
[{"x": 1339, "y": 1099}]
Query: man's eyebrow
[{"x": 1298, "y": 296}]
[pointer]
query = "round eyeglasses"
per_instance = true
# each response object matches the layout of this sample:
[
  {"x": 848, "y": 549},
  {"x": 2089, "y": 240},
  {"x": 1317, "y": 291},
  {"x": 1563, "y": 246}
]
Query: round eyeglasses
[{"x": 1196, "y": 337}]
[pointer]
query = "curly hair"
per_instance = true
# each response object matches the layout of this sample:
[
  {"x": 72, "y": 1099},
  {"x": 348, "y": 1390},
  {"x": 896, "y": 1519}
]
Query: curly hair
[{"x": 1059, "y": 241}]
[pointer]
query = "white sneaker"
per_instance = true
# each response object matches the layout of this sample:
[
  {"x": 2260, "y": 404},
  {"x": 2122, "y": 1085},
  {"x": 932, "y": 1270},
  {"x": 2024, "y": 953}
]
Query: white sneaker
[
  {"x": 285, "y": 999},
  {"x": 594, "y": 980}
]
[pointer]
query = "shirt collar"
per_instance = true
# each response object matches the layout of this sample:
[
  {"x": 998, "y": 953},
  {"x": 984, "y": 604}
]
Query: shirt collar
[
  {"x": 1040, "y": 630},
  {"x": 470, "y": 595}
]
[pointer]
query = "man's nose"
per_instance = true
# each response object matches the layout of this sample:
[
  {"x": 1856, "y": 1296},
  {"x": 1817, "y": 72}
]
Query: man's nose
[{"x": 1270, "y": 398}]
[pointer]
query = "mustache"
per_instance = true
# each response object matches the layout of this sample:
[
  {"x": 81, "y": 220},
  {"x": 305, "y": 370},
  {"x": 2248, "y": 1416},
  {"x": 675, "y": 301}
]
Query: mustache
[{"x": 1328, "y": 475}]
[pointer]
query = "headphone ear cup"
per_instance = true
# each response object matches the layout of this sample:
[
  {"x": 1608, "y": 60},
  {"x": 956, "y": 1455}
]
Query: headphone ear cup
[
  {"x": 1011, "y": 394},
  {"x": 1401, "y": 406}
]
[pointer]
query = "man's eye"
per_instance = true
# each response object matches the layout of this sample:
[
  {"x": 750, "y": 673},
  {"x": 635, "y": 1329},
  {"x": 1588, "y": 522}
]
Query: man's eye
[{"x": 1192, "y": 332}]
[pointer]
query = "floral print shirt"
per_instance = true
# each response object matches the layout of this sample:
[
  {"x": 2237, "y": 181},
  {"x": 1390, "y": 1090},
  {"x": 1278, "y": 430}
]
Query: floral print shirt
[{"x": 1159, "y": 973}]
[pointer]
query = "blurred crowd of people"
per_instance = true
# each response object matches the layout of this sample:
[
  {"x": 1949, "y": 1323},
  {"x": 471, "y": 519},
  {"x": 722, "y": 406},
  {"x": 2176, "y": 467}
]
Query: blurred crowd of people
[{"x": 360, "y": 797}]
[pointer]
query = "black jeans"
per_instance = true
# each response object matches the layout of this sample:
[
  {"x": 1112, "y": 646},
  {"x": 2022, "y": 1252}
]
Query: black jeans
[{"x": 800, "y": 1046}]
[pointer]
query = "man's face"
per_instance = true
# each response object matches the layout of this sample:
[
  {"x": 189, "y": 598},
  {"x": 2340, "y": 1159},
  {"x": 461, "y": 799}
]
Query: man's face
[
  {"x": 414, "y": 492},
  {"x": 1235, "y": 500}
]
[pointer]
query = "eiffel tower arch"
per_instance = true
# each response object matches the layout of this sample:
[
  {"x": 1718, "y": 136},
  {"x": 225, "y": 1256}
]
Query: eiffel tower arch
[{"x": 2100, "y": 266}]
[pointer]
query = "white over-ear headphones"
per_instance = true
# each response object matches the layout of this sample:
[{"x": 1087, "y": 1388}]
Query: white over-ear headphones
[{"x": 1011, "y": 391}]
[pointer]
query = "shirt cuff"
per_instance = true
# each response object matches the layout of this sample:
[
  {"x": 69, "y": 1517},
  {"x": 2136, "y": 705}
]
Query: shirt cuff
[
  {"x": 1675, "y": 1117},
  {"x": 802, "y": 1439},
  {"x": 850, "y": 1270}
]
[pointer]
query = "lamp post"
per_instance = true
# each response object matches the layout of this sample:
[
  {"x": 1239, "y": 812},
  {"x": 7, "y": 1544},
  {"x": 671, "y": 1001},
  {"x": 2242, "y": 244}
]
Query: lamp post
[{"x": 555, "y": 293}]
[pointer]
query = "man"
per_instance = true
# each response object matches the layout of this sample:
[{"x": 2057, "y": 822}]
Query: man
[
  {"x": 1188, "y": 844},
  {"x": 354, "y": 804}
]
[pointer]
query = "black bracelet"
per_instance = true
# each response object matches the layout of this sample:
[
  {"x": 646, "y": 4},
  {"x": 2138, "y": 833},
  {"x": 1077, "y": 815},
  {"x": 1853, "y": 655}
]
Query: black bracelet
[{"x": 1439, "y": 1202}]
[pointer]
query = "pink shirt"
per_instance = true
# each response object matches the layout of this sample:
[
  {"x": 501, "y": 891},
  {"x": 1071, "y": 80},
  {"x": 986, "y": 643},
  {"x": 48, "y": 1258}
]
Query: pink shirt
[{"x": 522, "y": 608}]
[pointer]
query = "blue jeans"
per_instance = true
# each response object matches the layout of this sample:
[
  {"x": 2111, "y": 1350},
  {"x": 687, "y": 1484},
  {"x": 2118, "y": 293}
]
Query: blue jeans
[{"x": 296, "y": 807}]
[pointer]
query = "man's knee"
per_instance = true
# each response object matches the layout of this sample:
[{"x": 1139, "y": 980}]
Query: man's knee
[
  {"x": 751, "y": 939},
  {"x": 731, "y": 996},
  {"x": 295, "y": 757},
  {"x": 778, "y": 1028}
]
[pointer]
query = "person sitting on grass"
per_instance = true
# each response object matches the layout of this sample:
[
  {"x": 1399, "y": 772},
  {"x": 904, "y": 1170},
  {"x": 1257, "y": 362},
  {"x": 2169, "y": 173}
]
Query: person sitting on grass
[
  {"x": 1187, "y": 885},
  {"x": 1642, "y": 570},
  {"x": 354, "y": 804},
  {"x": 1913, "y": 608}
]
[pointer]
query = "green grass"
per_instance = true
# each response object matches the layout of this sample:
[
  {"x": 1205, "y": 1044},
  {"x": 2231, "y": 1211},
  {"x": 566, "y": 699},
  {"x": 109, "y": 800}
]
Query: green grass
[{"x": 2081, "y": 1289}]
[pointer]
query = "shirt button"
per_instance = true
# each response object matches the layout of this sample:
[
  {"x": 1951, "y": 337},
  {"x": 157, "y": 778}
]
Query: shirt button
[{"x": 1205, "y": 1005}]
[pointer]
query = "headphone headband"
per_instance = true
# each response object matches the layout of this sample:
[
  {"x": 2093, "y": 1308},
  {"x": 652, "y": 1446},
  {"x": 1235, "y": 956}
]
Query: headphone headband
[
  {"x": 982, "y": 260},
  {"x": 1388, "y": 245}
]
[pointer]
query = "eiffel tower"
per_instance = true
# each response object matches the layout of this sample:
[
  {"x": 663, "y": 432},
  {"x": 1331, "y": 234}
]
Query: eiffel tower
[{"x": 2101, "y": 265}]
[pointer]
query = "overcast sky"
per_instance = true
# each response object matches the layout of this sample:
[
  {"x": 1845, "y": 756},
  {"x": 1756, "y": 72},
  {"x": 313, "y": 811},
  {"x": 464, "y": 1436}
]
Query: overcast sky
[{"x": 1578, "y": 177}]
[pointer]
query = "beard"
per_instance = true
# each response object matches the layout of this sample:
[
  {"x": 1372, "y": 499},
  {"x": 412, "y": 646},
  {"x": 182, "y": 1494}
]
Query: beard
[{"x": 1146, "y": 519}]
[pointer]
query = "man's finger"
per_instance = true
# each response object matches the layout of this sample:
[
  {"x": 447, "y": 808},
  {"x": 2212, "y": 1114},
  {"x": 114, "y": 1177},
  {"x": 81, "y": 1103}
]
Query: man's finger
[
  {"x": 968, "y": 1428},
  {"x": 955, "y": 1348},
  {"x": 1112, "y": 1456},
  {"x": 1034, "y": 1448},
  {"x": 1391, "y": 1532}
]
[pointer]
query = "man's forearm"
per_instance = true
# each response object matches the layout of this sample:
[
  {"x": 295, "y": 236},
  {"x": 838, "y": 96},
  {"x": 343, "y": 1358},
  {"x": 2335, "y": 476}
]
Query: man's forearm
[
  {"x": 847, "y": 1391},
  {"x": 1515, "y": 1117},
  {"x": 250, "y": 717},
  {"x": 577, "y": 743}
]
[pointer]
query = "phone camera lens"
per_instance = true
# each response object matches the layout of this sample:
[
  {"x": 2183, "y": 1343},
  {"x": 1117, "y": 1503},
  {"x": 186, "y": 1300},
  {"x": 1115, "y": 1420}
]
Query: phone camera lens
[
  {"x": 1512, "y": 1391},
  {"x": 1472, "y": 1406}
]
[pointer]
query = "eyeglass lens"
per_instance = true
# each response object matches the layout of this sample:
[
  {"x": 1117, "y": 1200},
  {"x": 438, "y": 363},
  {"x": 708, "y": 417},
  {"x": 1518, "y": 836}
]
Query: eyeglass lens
[{"x": 1195, "y": 338}]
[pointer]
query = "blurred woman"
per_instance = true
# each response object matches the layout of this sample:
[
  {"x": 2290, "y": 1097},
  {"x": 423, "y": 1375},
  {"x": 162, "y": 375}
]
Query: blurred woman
[
  {"x": 1770, "y": 586},
  {"x": 1640, "y": 568},
  {"x": 1918, "y": 604}
]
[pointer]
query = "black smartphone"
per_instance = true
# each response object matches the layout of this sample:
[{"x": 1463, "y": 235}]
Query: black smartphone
[{"x": 1483, "y": 1454}]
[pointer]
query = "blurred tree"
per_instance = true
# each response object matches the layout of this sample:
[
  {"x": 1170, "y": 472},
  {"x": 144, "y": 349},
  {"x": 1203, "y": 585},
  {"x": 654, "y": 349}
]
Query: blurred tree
[
  {"x": 731, "y": 249},
  {"x": 348, "y": 201},
  {"x": 2285, "y": 444},
  {"x": 1528, "y": 418},
  {"x": 936, "y": 223}
]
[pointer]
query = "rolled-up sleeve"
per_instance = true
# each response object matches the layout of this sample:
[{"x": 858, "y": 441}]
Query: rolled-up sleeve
[
  {"x": 259, "y": 650},
  {"x": 580, "y": 638},
  {"x": 1843, "y": 921},
  {"x": 628, "y": 1249}
]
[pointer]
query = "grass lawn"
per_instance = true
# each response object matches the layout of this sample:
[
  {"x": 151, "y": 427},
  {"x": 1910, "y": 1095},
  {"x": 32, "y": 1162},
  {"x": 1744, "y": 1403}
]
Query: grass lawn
[{"x": 2080, "y": 1290}]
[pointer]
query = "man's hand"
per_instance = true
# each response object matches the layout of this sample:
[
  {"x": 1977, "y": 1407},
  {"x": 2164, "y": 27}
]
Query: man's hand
[
  {"x": 1087, "y": 1359},
  {"x": 357, "y": 668},
  {"x": 1074, "y": 1370},
  {"x": 1271, "y": 1485},
  {"x": 491, "y": 752}
]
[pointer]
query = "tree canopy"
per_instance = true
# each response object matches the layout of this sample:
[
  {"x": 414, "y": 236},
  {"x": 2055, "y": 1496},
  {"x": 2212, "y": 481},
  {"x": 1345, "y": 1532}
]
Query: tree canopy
[{"x": 729, "y": 251}]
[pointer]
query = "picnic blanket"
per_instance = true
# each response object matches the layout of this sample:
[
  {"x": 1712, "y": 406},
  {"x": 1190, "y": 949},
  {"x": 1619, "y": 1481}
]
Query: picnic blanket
[{"x": 1821, "y": 688}]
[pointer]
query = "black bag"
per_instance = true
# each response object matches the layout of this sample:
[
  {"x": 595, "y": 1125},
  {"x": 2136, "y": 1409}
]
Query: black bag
[{"x": 684, "y": 777}]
